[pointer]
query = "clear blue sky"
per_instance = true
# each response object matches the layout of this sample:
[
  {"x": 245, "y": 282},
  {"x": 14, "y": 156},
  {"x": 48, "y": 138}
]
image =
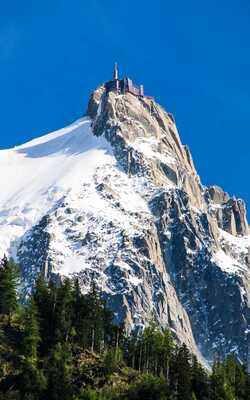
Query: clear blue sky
[{"x": 192, "y": 56}]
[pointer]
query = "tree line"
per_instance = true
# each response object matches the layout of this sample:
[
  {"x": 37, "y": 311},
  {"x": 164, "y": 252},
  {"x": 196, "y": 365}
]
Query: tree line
[{"x": 62, "y": 344}]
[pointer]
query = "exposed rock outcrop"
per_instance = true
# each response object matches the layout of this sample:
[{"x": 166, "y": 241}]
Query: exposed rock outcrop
[
  {"x": 230, "y": 212},
  {"x": 190, "y": 221},
  {"x": 158, "y": 243}
]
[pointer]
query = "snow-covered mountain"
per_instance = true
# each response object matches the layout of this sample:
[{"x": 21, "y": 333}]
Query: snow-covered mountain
[{"x": 115, "y": 197}]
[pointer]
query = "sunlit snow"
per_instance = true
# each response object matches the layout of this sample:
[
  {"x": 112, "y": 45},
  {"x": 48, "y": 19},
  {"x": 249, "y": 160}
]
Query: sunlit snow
[{"x": 36, "y": 175}]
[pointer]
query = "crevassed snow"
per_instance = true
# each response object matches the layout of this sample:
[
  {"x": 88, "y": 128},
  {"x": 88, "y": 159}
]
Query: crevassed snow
[{"x": 36, "y": 175}]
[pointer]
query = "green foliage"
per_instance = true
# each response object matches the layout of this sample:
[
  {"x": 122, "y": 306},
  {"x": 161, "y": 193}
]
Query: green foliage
[
  {"x": 229, "y": 381},
  {"x": 148, "y": 387},
  {"x": 59, "y": 373},
  {"x": 112, "y": 360},
  {"x": 63, "y": 345},
  {"x": 199, "y": 381},
  {"x": 8, "y": 286},
  {"x": 182, "y": 374},
  {"x": 32, "y": 337},
  {"x": 87, "y": 394},
  {"x": 31, "y": 382},
  {"x": 152, "y": 351}
]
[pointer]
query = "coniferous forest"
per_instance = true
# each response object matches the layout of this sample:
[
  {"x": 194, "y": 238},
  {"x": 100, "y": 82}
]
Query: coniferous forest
[{"x": 63, "y": 345}]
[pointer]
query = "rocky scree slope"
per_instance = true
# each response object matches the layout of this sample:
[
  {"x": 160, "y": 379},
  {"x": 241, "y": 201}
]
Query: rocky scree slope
[{"x": 120, "y": 201}]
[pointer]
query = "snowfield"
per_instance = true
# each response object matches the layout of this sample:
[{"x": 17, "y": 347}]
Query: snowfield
[{"x": 36, "y": 175}]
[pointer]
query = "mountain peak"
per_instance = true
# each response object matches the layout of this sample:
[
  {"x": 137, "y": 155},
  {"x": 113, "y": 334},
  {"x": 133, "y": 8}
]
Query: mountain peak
[{"x": 116, "y": 197}]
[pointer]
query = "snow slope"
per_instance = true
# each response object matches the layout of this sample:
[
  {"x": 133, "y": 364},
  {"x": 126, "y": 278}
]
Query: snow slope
[{"x": 36, "y": 175}]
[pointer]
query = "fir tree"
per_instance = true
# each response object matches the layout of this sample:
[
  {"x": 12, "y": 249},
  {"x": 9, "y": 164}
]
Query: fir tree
[
  {"x": 219, "y": 387},
  {"x": 183, "y": 374},
  {"x": 247, "y": 387},
  {"x": 8, "y": 287},
  {"x": 32, "y": 380},
  {"x": 59, "y": 373},
  {"x": 200, "y": 383},
  {"x": 44, "y": 298},
  {"x": 44, "y": 354},
  {"x": 95, "y": 321},
  {"x": 166, "y": 352},
  {"x": 31, "y": 333},
  {"x": 64, "y": 311}
]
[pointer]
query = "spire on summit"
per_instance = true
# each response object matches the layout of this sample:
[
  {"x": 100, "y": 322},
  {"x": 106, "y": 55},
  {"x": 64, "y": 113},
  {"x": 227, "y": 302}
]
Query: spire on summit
[
  {"x": 115, "y": 74},
  {"x": 124, "y": 85}
]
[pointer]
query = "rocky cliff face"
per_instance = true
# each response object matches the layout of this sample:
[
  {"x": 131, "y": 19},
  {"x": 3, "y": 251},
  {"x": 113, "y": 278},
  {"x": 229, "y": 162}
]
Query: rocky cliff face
[
  {"x": 203, "y": 233},
  {"x": 158, "y": 243}
]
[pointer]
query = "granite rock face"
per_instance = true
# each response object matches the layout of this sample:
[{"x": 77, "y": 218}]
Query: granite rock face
[
  {"x": 158, "y": 243},
  {"x": 199, "y": 229},
  {"x": 230, "y": 213}
]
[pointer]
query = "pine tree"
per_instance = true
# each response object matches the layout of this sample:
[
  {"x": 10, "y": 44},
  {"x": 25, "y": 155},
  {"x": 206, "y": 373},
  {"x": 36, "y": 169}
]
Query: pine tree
[
  {"x": 219, "y": 385},
  {"x": 32, "y": 380},
  {"x": 240, "y": 381},
  {"x": 31, "y": 333},
  {"x": 95, "y": 320},
  {"x": 247, "y": 387},
  {"x": 81, "y": 311},
  {"x": 200, "y": 384},
  {"x": 64, "y": 311},
  {"x": 59, "y": 373},
  {"x": 113, "y": 334},
  {"x": 8, "y": 287},
  {"x": 44, "y": 297},
  {"x": 77, "y": 302},
  {"x": 166, "y": 351},
  {"x": 183, "y": 374}
]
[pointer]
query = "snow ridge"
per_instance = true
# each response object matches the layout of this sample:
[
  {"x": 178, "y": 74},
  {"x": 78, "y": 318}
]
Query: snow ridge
[{"x": 36, "y": 175}]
